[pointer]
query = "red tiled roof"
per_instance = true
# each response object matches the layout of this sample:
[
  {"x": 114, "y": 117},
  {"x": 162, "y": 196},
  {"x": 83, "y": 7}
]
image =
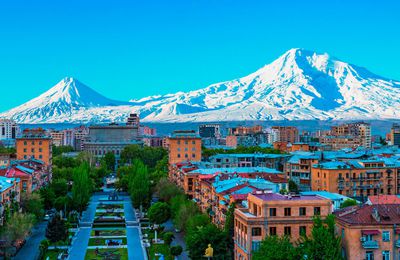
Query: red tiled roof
[
  {"x": 384, "y": 199},
  {"x": 13, "y": 172},
  {"x": 389, "y": 214}
]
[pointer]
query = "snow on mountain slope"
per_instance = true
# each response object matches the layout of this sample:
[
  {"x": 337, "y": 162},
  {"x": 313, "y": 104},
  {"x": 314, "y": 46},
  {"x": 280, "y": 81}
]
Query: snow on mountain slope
[{"x": 298, "y": 85}]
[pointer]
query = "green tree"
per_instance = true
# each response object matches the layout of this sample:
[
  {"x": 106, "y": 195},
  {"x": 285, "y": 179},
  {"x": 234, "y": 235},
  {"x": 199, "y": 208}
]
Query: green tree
[
  {"x": 139, "y": 185},
  {"x": 196, "y": 222},
  {"x": 167, "y": 190},
  {"x": 48, "y": 196},
  {"x": 159, "y": 212},
  {"x": 168, "y": 237},
  {"x": 176, "y": 250},
  {"x": 323, "y": 242},
  {"x": 229, "y": 226},
  {"x": 197, "y": 242},
  {"x": 293, "y": 186},
  {"x": 81, "y": 188},
  {"x": 276, "y": 248},
  {"x": 109, "y": 159},
  {"x": 186, "y": 211},
  {"x": 32, "y": 203},
  {"x": 348, "y": 203},
  {"x": 59, "y": 187},
  {"x": 56, "y": 229},
  {"x": 58, "y": 150},
  {"x": 18, "y": 227}
]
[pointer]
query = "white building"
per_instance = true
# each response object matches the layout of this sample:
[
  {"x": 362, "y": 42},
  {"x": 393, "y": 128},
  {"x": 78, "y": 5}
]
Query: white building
[{"x": 8, "y": 132}]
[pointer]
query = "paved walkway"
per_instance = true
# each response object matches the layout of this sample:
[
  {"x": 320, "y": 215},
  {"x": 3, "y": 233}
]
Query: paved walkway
[
  {"x": 178, "y": 240},
  {"x": 31, "y": 248},
  {"x": 80, "y": 244}
]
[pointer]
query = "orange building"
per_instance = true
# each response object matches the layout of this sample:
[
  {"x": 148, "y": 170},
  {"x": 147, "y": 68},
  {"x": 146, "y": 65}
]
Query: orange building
[
  {"x": 34, "y": 143},
  {"x": 184, "y": 146},
  {"x": 270, "y": 214},
  {"x": 357, "y": 178},
  {"x": 370, "y": 231}
]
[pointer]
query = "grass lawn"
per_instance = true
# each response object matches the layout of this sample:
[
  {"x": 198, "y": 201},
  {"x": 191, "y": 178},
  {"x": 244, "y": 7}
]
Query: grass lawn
[
  {"x": 52, "y": 254},
  {"x": 158, "y": 248},
  {"x": 109, "y": 232},
  {"x": 122, "y": 252},
  {"x": 108, "y": 225},
  {"x": 102, "y": 241}
]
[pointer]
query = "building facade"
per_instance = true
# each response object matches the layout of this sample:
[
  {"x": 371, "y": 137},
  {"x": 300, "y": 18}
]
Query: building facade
[
  {"x": 274, "y": 214},
  {"x": 184, "y": 146},
  {"x": 34, "y": 144}
]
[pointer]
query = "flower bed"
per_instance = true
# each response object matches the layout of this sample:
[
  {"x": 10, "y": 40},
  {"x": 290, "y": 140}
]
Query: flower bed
[
  {"x": 118, "y": 253},
  {"x": 114, "y": 241},
  {"x": 110, "y": 206},
  {"x": 108, "y": 232}
]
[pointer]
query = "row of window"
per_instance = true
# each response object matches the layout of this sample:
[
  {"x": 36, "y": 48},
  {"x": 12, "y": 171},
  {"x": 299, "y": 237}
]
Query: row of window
[
  {"x": 287, "y": 231},
  {"x": 33, "y": 150},
  {"x": 288, "y": 211},
  {"x": 186, "y": 149},
  {"x": 32, "y": 142},
  {"x": 186, "y": 155},
  {"x": 186, "y": 142},
  {"x": 33, "y": 156}
]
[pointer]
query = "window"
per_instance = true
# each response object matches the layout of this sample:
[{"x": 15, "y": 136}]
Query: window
[
  {"x": 302, "y": 211},
  {"x": 256, "y": 231},
  {"x": 385, "y": 255},
  {"x": 179, "y": 149},
  {"x": 287, "y": 231},
  {"x": 186, "y": 142},
  {"x": 33, "y": 142},
  {"x": 193, "y": 149},
  {"x": 255, "y": 245},
  {"x": 303, "y": 230},
  {"x": 369, "y": 255},
  {"x": 288, "y": 212},
  {"x": 40, "y": 149},
  {"x": 25, "y": 157},
  {"x": 25, "y": 143},
  {"x": 186, "y": 149},
  {"x": 179, "y": 141},
  {"x": 272, "y": 231},
  {"x": 40, "y": 142},
  {"x": 33, "y": 150},
  {"x": 193, "y": 155},
  {"x": 193, "y": 142},
  {"x": 40, "y": 156},
  {"x": 386, "y": 236},
  {"x": 179, "y": 155},
  {"x": 272, "y": 212},
  {"x": 24, "y": 150},
  {"x": 186, "y": 155},
  {"x": 317, "y": 210}
]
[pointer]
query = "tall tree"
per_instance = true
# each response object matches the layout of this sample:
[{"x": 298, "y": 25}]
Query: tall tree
[
  {"x": 229, "y": 227},
  {"x": 323, "y": 243},
  {"x": 159, "y": 212},
  {"x": 32, "y": 203},
  {"x": 109, "y": 159},
  {"x": 81, "y": 187},
  {"x": 56, "y": 229},
  {"x": 139, "y": 185}
]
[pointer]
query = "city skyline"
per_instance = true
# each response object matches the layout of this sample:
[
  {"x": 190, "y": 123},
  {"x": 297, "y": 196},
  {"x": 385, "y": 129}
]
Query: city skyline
[{"x": 140, "y": 49}]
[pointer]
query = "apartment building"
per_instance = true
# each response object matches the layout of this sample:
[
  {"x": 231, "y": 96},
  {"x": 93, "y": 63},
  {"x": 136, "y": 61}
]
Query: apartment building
[
  {"x": 274, "y": 161},
  {"x": 357, "y": 178},
  {"x": 395, "y": 134},
  {"x": 269, "y": 214},
  {"x": 370, "y": 231},
  {"x": 288, "y": 134},
  {"x": 36, "y": 144},
  {"x": 350, "y": 135},
  {"x": 184, "y": 146},
  {"x": 298, "y": 169},
  {"x": 8, "y": 129}
]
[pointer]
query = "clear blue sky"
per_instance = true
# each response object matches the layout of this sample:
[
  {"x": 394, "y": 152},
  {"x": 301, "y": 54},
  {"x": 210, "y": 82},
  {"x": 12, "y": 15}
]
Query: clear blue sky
[{"x": 131, "y": 49}]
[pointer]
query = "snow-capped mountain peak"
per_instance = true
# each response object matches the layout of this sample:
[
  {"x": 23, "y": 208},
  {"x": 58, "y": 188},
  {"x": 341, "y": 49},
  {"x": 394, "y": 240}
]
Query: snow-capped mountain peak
[{"x": 300, "y": 84}]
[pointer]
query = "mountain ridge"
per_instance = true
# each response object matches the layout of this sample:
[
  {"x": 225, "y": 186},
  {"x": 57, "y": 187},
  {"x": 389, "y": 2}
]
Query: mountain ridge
[{"x": 299, "y": 85}]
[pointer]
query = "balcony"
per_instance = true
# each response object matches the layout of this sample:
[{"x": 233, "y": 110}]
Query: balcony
[{"x": 370, "y": 244}]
